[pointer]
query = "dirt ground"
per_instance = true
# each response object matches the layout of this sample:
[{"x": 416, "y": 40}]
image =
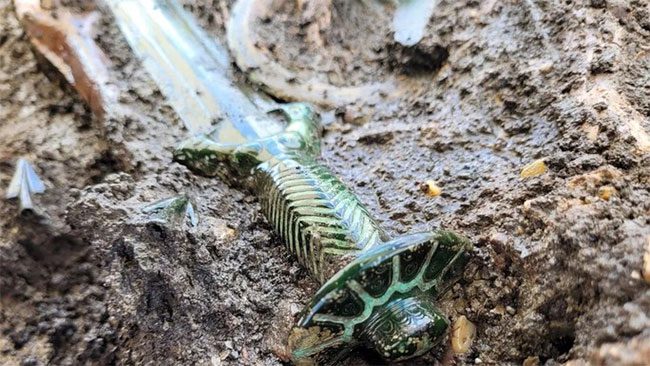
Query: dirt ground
[{"x": 556, "y": 275}]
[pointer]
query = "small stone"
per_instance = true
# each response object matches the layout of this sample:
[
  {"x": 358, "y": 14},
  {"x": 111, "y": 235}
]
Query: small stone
[
  {"x": 463, "y": 332},
  {"x": 604, "y": 62},
  {"x": 431, "y": 189},
  {"x": 600, "y": 106},
  {"x": 606, "y": 192},
  {"x": 646, "y": 261},
  {"x": 224, "y": 232},
  {"x": 591, "y": 131},
  {"x": 353, "y": 116},
  {"x": 499, "y": 309},
  {"x": 478, "y": 360},
  {"x": 223, "y": 355},
  {"x": 531, "y": 361},
  {"x": 294, "y": 309},
  {"x": 537, "y": 167},
  {"x": 215, "y": 360},
  {"x": 545, "y": 67},
  {"x": 30, "y": 361},
  {"x": 47, "y": 4},
  {"x": 460, "y": 304},
  {"x": 601, "y": 176}
]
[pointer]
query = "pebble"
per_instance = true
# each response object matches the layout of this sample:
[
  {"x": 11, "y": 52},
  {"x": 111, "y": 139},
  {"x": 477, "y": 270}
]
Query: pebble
[
  {"x": 499, "y": 309},
  {"x": 600, "y": 106},
  {"x": 223, "y": 355},
  {"x": 545, "y": 67},
  {"x": 215, "y": 360},
  {"x": 353, "y": 116},
  {"x": 463, "y": 332},
  {"x": 30, "y": 361},
  {"x": 531, "y": 361},
  {"x": 431, "y": 189},
  {"x": 295, "y": 309},
  {"x": 537, "y": 167},
  {"x": 606, "y": 192}
]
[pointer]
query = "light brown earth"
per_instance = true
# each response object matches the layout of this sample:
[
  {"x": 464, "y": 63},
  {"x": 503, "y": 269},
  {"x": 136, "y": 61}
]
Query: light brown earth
[{"x": 557, "y": 271}]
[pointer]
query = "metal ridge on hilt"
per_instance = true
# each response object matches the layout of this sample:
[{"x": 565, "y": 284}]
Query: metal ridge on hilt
[{"x": 377, "y": 292}]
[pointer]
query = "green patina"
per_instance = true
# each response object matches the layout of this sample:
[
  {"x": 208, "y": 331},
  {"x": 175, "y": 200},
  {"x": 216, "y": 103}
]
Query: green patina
[
  {"x": 377, "y": 292},
  {"x": 173, "y": 209}
]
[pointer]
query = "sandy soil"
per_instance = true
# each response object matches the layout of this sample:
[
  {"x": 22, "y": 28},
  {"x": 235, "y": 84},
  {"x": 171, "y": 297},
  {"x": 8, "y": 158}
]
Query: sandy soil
[{"x": 556, "y": 275}]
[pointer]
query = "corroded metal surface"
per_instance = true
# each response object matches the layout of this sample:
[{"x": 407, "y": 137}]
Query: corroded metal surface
[{"x": 377, "y": 292}]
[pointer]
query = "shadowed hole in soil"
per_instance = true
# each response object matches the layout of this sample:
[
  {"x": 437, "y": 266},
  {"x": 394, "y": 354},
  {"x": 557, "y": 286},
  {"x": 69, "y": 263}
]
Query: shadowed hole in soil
[
  {"x": 105, "y": 164},
  {"x": 50, "y": 250},
  {"x": 563, "y": 342},
  {"x": 159, "y": 298},
  {"x": 124, "y": 251},
  {"x": 417, "y": 60}
]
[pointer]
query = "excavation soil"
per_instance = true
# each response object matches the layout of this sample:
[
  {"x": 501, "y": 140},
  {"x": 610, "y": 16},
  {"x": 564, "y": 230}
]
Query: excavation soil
[{"x": 557, "y": 271}]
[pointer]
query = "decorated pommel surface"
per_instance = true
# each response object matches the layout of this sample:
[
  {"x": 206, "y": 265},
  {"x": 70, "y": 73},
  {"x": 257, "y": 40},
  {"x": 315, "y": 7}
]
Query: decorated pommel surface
[
  {"x": 383, "y": 300},
  {"x": 377, "y": 292}
]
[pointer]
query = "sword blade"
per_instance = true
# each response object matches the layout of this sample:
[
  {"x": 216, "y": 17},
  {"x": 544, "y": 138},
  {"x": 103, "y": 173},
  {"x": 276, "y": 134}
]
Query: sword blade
[{"x": 192, "y": 71}]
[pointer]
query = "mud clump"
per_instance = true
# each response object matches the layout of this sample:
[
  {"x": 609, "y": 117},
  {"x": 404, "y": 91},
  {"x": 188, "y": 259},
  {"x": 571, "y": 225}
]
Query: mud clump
[{"x": 557, "y": 274}]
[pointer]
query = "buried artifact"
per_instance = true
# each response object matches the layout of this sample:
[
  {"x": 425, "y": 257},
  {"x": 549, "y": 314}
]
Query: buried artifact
[{"x": 376, "y": 292}]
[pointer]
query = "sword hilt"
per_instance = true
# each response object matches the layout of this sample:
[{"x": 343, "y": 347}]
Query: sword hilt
[{"x": 376, "y": 292}]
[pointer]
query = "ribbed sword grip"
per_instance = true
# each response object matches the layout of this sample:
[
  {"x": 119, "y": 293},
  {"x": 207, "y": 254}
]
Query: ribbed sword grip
[{"x": 319, "y": 219}]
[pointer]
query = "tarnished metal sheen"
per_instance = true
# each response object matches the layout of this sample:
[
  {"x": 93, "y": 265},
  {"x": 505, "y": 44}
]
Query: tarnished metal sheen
[{"x": 376, "y": 292}]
